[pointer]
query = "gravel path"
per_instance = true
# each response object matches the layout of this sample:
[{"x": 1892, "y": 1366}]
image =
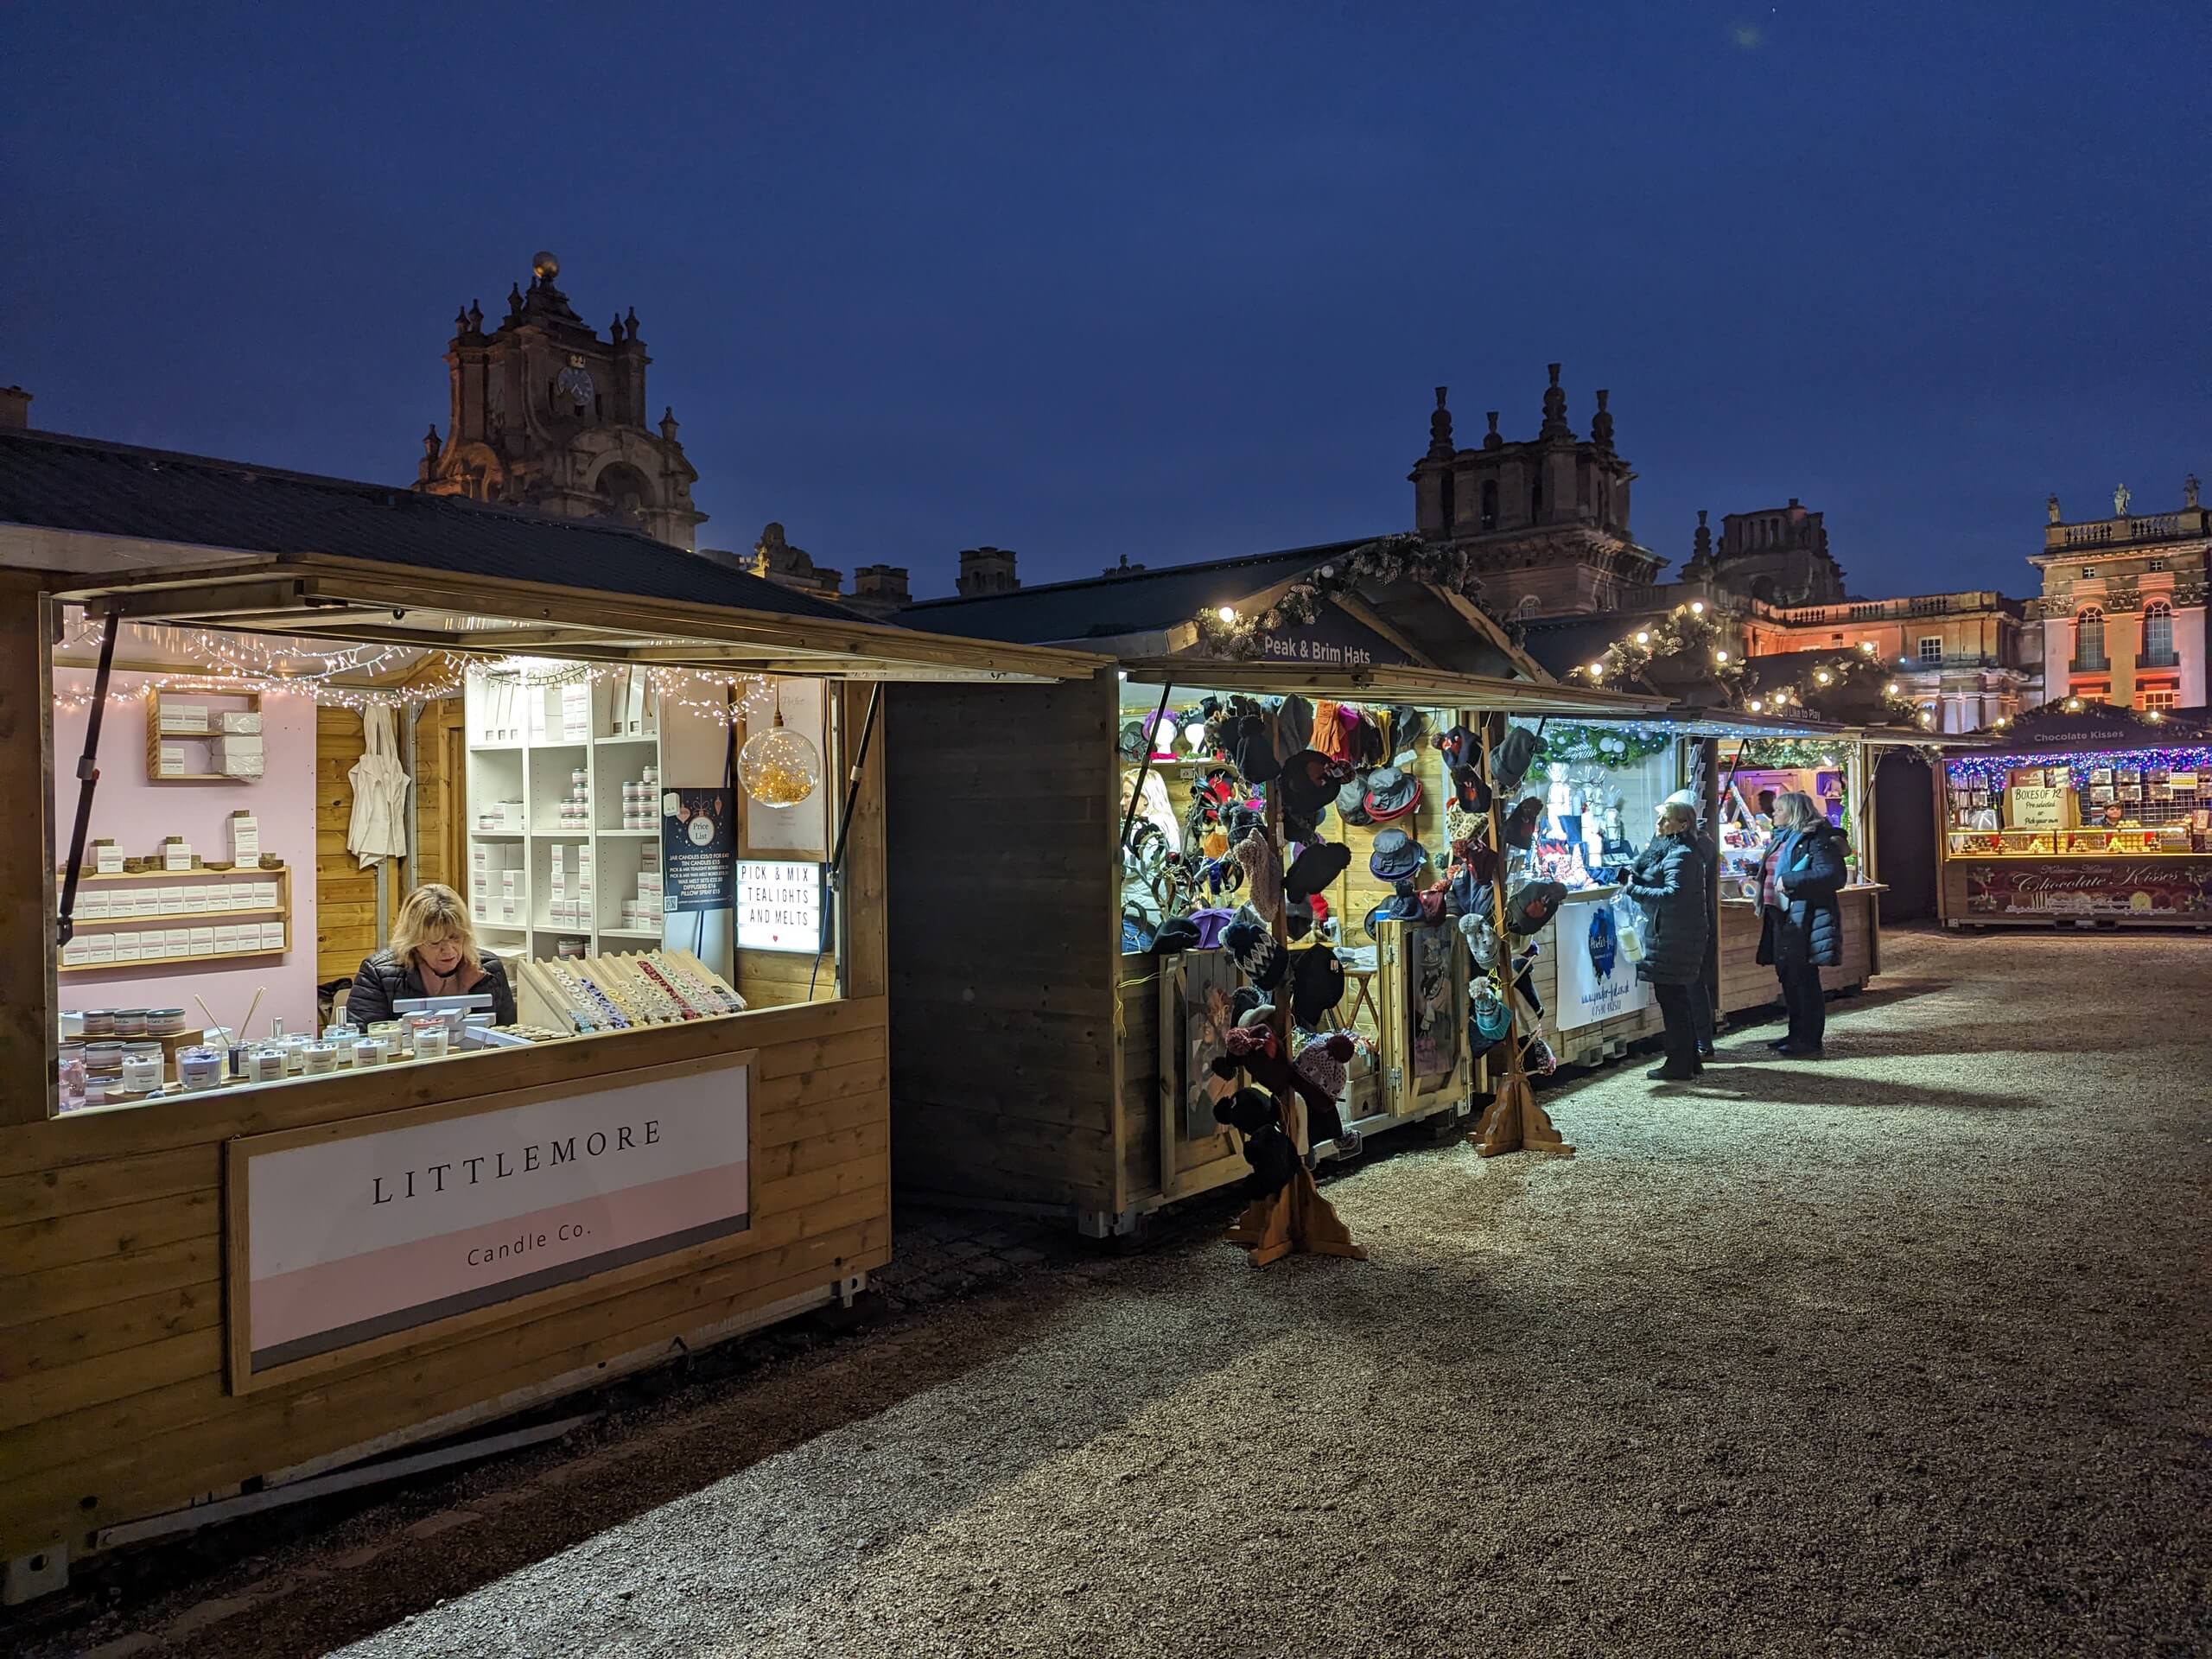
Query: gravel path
[{"x": 1901, "y": 1352}]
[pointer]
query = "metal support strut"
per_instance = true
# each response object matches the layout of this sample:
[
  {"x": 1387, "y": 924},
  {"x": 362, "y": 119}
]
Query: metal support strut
[{"x": 88, "y": 776}]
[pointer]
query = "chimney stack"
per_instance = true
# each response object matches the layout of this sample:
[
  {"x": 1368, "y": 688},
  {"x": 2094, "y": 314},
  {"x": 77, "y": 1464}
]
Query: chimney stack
[
  {"x": 987, "y": 570},
  {"x": 884, "y": 584},
  {"x": 15, "y": 409}
]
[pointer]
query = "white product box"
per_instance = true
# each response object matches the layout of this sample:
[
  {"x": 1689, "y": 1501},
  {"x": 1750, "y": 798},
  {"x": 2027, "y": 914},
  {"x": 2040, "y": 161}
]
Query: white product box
[
  {"x": 203, "y": 942},
  {"x": 177, "y": 942},
  {"x": 272, "y": 936},
  {"x": 235, "y": 757},
  {"x": 176, "y": 856},
  {"x": 575, "y": 712},
  {"x": 92, "y": 904},
  {"x": 107, "y": 859},
  {"x": 510, "y": 912},
  {"x": 184, "y": 717},
  {"x": 246, "y": 838},
  {"x": 557, "y": 856},
  {"x": 73, "y": 953},
  {"x": 246, "y": 721},
  {"x": 226, "y": 938},
  {"x": 126, "y": 944},
  {"x": 175, "y": 901},
  {"x": 100, "y": 947},
  {"x": 265, "y": 895},
  {"x": 174, "y": 760},
  {"x": 511, "y": 881}
]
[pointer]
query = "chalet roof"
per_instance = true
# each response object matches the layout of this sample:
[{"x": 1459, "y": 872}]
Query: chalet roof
[{"x": 83, "y": 485}]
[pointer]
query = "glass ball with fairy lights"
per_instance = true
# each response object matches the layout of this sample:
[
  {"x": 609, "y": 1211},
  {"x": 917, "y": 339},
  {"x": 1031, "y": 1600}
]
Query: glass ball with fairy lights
[{"x": 778, "y": 766}]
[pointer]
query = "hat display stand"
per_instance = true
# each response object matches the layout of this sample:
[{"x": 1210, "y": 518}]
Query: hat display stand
[
  {"x": 1514, "y": 1121},
  {"x": 1295, "y": 1217}
]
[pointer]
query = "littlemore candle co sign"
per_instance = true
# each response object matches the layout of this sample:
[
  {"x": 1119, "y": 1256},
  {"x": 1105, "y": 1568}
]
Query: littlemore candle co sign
[{"x": 352, "y": 1236}]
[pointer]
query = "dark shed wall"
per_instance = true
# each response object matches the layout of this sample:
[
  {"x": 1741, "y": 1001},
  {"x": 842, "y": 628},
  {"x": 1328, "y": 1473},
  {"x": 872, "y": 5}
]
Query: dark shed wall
[{"x": 1005, "y": 942}]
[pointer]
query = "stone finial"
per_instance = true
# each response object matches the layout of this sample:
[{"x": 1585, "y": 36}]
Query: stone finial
[
  {"x": 460, "y": 321},
  {"x": 475, "y": 316},
  {"x": 630, "y": 321},
  {"x": 1601, "y": 424},
  {"x": 668, "y": 429},
  {"x": 514, "y": 298},
  {"x": 2050, "y": 505},
  {"x": 614, "y": 329},
  {"x": 1554, "y": 408},
  {"x": 1490, "y": 439},
  {"x": 1701, "y": 543},
  {"x": 1439, "y": 429},
  {"x": 430, "y": 442},
  {"x": 2190, "y": 488}
]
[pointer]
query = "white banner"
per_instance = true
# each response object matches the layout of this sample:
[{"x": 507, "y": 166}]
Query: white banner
[{"x": 1596, "y": 979}]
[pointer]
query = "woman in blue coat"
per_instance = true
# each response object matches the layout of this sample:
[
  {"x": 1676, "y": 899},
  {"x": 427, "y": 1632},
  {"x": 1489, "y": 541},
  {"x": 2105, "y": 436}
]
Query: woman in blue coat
[
  {"x": 1669, "y": 881},
  {"x": 1800, "y": 926}
]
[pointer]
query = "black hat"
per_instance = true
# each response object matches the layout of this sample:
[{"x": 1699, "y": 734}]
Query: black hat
[
  {"x": 1315, "y": 866},
  {"x": 1510, "y": 760},
  {"x": 1310, "y": 780},
  {"x": 1256, "y": 949},
  {"x": 1316, "y": 984},
  {"x": 1252, "y": 749},
  {"x": 1459, "y": 746},
  {"x": 1396, "y": 854},
  {"x": 1351, "y": 802},
  {"x": 1404, "y": 903},
  {"x": 1131, "y": 741},
  {"x": 1533, "y": 905},
  {"x": 1178, "y": 933},
  {"x": 1406, "y": 723},
  {"x": 1245, "y": 1001},
  {"x": 1468, "y": 788},
  {"x": 1295, "y": 723},
  {"x": 1520, "y": 823}
]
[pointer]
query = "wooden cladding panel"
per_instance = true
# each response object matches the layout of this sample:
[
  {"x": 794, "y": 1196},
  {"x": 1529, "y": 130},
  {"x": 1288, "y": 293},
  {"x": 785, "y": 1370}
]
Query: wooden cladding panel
[
  {"x": 28, "y": 856},
  {"x": 346, "y": 894},
  {"x": 112, "y": 1398},
  {"x": 1745, "y": 983},
  {"x": 1003, "y": 890}
]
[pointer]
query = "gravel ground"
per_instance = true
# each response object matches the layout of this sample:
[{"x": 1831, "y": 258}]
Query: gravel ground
[{"x": 1904, "y": 1351}]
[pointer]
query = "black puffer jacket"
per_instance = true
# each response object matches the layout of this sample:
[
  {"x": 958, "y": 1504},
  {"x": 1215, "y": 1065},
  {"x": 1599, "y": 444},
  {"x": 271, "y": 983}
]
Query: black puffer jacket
[
  {"x": 1808, "y": 869},
  {"x": 382, "y": 982},
  {"x": 1669, "y": 881}
]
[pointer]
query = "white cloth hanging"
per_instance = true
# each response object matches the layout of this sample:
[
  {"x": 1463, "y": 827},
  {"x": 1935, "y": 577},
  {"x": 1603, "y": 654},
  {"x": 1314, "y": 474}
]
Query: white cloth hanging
[{"x": 378, "y": 829}]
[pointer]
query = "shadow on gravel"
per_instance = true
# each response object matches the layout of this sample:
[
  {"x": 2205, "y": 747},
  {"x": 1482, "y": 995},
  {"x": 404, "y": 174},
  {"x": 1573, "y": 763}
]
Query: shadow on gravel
[{"x": 1788, "y": 1082}]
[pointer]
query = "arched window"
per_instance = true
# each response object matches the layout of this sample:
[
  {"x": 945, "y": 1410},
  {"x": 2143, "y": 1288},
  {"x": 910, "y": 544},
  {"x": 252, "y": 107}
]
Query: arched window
[
  {"x": 2089, "y": 638},
  {"x": 2157, "y": 631},
  {"x": 1490, "y": 503},
  {"x": 1530, "y": 604}
]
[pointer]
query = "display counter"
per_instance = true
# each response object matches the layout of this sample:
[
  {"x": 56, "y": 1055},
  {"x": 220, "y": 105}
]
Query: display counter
[
  {"x": 1594, "y": 1005},
  {"x": 1745, "y": 982}
]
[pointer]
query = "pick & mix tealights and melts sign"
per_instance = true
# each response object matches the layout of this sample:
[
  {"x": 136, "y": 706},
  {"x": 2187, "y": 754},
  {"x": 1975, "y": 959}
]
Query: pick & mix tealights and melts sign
[{"x": 353, "y": 1238}]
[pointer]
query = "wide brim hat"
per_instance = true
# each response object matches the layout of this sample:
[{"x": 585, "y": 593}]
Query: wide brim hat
[
  {"x": 1395, "y": 855},
  {"x": 1351, "y": 802},
  {"x": 1316, "y": 984},
  {"x": 1317, "y": 865},
  {"x": 1533, "y": 905},
  {"x": 1390, "y": 794},
  {"x": 1512, "y": 756}
]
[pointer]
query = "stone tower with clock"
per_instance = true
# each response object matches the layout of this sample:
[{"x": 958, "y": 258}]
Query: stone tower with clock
[{"x": 547, "y": 414}]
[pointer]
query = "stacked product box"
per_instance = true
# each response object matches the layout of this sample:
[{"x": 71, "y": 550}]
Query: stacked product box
[
  {"x": 643, "y": 913},
  {"x": 572, "y": 895},
  {"x": 496, "y": 893}
]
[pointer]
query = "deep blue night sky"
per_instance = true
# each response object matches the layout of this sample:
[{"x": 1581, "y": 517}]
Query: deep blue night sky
[{"x": 1173, "y": 283}]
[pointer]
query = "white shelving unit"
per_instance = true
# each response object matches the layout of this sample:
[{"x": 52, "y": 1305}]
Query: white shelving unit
[{"x": 525, "y": 744}]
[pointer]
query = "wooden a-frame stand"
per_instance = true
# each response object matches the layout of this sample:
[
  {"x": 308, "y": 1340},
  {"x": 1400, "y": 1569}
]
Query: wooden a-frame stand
[
  {"x": 1514, "y": 1121},
  {"x": 1297, "y": 1218}
]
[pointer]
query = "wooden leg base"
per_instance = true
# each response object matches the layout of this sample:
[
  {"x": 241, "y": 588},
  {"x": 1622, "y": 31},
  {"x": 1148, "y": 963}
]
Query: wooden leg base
[
  {"x": 1296, "y": 1218},
  {"x": 1516, "y": 1122}
]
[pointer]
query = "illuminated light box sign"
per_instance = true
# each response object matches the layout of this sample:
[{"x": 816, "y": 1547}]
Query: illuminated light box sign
[
  {"x": 353, "y": 1236},
  {"x": 779, "y": 906}
]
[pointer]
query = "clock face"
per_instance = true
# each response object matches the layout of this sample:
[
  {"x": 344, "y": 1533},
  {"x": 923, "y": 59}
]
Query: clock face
[{"x": 575, "y": 386}]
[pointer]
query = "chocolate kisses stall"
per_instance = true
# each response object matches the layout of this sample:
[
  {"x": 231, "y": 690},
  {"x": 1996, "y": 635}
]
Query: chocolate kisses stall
[
  {"x": 2080, "y": 814},
  {"x": 1073, "y": 861},
  {"x": 267, "y": 1256}
]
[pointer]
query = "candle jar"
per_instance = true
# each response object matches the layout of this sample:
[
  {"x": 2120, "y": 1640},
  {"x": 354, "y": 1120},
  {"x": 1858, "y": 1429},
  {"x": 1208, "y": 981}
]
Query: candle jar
[
  {"x": 266, "y": 1064},
  {"x": 103, "y": 1061},
  {"x": 69, "y": 1074},
  {"x": 142, "y": 1067},
  {"x": 368, "y": 1051},
  {"x": 99, "y": 1023},
  {"x": 200, "y": 1068},
  {"x": 165, "y": 1022},
  {"x": 429, "y": 1040},
  {"x": 320, "y": 1057},
  {"x": 130, "y": 1022}
]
